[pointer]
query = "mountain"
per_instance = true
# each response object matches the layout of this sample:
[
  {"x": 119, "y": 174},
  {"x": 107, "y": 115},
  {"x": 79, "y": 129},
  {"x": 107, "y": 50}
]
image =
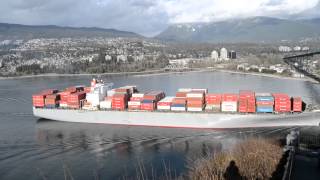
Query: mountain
[
  {"x": 17, "y": 31},
  {"x": 256, "y": 29}
]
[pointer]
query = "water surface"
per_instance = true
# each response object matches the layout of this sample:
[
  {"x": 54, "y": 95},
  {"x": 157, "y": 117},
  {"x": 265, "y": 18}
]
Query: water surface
[{"x": 38, "y": 149}]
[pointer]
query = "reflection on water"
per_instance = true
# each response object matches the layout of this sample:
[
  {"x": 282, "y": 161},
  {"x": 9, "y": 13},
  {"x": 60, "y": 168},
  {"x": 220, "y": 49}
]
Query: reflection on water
[
  {"x": 33, "y": 149},
  {"x": 126, "y": 147}
]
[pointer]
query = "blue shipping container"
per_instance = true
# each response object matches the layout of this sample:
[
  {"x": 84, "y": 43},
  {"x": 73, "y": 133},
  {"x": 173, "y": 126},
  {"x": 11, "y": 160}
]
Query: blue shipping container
[
  {"x": 264, "y": 98},
  {"x": 265, "y": 109},
  {"x": 147, "y": 101},
  {"x": 52, "y": 106},
  {"x": 178, "y": 105}
]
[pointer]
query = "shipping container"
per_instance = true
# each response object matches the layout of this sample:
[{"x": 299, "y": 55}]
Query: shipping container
[
  {"x": 38, "y": 100},
  {"x": 297, "y": 104},
  {"x": 264, "y": 109},
  {"x": 194, "y": 95},
  {"x": 178, "y": 108},
  {"x": 194, "y": 109},
  {"x": 164, "y": 107},
  {"x": 230, "y": 97},
  {"x": 154, "y": 95},
  {"x": 166, "y": 101},
  {"x": 138, "y": 95},
  {"x": 213, "y": 107},
  {"x": 229, "y": 106},
  {"x": 49, "y": 91},
  {"x": 148, "y": 106},
  {"x": 106, "y": 104}
]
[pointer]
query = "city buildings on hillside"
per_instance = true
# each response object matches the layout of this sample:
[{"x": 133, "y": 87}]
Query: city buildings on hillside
[{"x": 224, "y": 55}]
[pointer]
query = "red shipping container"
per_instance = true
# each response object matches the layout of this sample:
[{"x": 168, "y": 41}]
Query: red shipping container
[
  {"x": 123, "y": 90},
  {"x": 213, "y": 96},
  {"x": 195, "y": 105},
  {"x": 136, "y": 98},
  {"x": 38, "y": 100},
  {"x": 229, "y": 97},
  {"x": 181, "y": 94},
  {"x": 50, "y": 101},
  {"x": 267, "y": 103},
  {"x": 148, "y": 106},
  {"x": 64, "y": 95},
  {"x": 71, "y": 89},
  {"x": 49, "y": 91},
  {"x": 195, "y": 102},
  {"x": 154, "y": 95},
  {"x": 76, "y": 97},
  {"x": 134, "y": 107},
  {"x": 179, "y": 100}
]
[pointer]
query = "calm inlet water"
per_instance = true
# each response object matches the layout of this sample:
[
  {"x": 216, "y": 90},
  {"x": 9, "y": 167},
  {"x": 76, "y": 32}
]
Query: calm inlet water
[{"x": 37, "y": 149}]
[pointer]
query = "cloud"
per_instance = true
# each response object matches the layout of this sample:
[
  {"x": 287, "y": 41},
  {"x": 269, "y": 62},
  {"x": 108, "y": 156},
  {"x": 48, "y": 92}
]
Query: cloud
[
  {"x": 146, "y": 17},
  {"x": 181, "y": 11}
]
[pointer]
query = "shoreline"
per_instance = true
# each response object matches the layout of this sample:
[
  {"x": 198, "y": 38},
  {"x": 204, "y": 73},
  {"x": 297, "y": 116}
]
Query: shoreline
[
  {"x": 308, "y": 79},
  {"x": 163, "y": 72}
]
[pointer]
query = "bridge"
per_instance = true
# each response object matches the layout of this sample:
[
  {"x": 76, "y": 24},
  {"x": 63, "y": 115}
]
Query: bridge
[{"x": 304, "y": 64}]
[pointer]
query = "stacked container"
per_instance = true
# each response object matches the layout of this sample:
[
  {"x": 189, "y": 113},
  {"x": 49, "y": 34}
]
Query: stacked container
[
  {"x": 135, "y": 101},
  {"x": 296, "y": 104},
  {"x": 64, "y": 98},
  {"x": 213, "y": 102},
  {"x": 165, "y": 103},
  {"x": 149, "y": 102},
  {"x": 264, "y": 103},
  {"x": 120, "y": 99},
  {"x": 229, "y": 102},
  {"x": 182, "y": 92},
  {"x": 52, "y": 100},
  {"x": 38, "y": 100},
  {"x": 247, "y": 102},
  {"x": 195, "y": 101},
  {"x": 282, "y": 103},
  {"x": 75, "y": 98},
  {"x": 179, "y": 104}
]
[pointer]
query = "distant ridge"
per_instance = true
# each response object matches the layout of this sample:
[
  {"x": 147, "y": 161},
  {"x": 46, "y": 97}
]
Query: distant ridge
[
  {"x": 18, "y": 31},
  {"x": 256, "y": 29}
]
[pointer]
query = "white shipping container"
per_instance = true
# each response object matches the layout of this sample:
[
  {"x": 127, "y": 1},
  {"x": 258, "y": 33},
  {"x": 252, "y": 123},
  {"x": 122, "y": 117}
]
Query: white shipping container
[
  {"x": 90, "y": 108},
  {"x": 139, "y": 95},
  {"x": 105, "y": 104},
  {"x": 63, "y": 105},
  {"x": 195, "y": 95},
  {"x": 213, "y": 106},
  {"x": 131, "y": 88},
  {"x": 134, "y": 103},
  {"x": 163, "y": 107},
  {"x": 178, "y": 109},
  {"x": 263, "y": 94},
  {"x": 195, "y": 109},
  {"x": 167, "y": 99},
  {"x": 204, "y": 90},
  {"x": 229, "y": 106},
  {"x": 184, "y": 89}
]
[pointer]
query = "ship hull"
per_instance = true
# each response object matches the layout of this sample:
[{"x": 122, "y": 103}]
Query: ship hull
[{"x": 179, "y": 120}]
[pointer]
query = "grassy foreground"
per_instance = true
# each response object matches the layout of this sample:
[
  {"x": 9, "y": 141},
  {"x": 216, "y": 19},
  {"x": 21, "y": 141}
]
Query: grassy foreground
[{"x": 255, "y": 159}]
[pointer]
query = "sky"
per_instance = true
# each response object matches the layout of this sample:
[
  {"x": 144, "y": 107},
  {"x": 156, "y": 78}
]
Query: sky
[{"x": 146, "y": 17}]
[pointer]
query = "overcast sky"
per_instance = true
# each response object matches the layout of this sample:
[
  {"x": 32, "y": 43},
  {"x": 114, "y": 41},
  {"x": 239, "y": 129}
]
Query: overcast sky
[{"x": 147, "y": 17}]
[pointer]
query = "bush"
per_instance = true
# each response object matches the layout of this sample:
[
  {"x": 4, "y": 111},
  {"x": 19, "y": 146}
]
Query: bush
[{"x": 255, "y": 159}]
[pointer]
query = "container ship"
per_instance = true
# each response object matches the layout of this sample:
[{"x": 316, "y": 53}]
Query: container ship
[{"x": 189, "y": 108}]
